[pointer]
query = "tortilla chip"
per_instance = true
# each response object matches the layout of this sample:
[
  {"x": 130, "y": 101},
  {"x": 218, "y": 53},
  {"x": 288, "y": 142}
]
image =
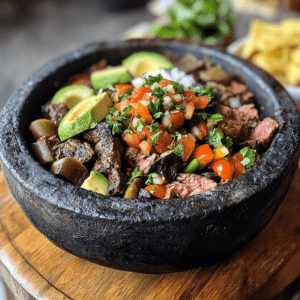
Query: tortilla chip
[{"x": 293, "y": 74}]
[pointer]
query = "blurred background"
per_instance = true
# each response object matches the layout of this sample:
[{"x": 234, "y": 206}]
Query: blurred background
[{"x": 33, "y": 32}]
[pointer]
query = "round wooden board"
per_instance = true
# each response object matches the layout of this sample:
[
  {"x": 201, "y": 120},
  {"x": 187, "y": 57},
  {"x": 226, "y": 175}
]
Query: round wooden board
[{"x": 34, "y": 268}]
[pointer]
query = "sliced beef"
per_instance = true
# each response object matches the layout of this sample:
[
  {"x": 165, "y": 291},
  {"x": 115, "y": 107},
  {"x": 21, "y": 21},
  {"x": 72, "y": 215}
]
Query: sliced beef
[
  {"x": 134, "y": 157},
  {"x": 189, "y": 63},
  {"x": 238, "y": 131},
  {"x": 191, "y": 184},
  {"x": 168, "y": 165},
  {"x": 83, "y": 152},
  {"x": 109, "y": 151},
  {"x": 225, "y": 111},
  {"x": 80, "y": 79},
  {"x": 265, "y": 131},
  {"x": 100, "y": 131},
  {"x": 246, "y": 113},
  {"x": 170, "y": 191},
  {"x": 55, "y": 112}
]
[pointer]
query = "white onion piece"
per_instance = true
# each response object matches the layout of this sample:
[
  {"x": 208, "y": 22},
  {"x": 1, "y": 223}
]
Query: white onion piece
[
  {"x": 145, "y": 102},
  {"x": 167, "y": 100},
  {"x": 159, "y": 179},
  {"x": 177, "y": 98},
  {"x": 154, "y": 85},
  {"x": 196, "y": 133},
  {"x": 134, "y": 122},
  {"x": 169, "y": 87},
  {"x": 166, "y": 120}
]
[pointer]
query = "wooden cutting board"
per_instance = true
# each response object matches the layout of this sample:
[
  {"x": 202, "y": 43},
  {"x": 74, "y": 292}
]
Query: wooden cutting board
[{"x": 34, "y": 268}]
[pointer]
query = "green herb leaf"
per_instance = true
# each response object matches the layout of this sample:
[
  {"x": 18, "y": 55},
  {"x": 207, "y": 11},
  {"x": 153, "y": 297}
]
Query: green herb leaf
[
  {"x": 228, "y": 142},
  {"x": 203, "y": 91},
  {"x": 249, "y": 158},
  {"x": 203, "y": 115},
  {"x": 178, "y": 88},
  {"x": 179, "y": 106},
  {"x": 140, "y": 125},
  {"x": 178, "y": 150},
  {"x": 125, "y": 95},
  {"x": 120, "y": 119},
  {"x": 215, "y": 137},
  {"x": 216, "y": 117},
  {"x": 172, "y": 104},
  {"x": 151, "y": 79},
  {"x": 159, "y": 92},
  {"x": 153, "y": 189},
  {"x": 155, "y": 136},
  {"x": 155, "y": 108},
  {"x": 150, "y": 178},
  {"x": 153, "y": 126},
  {"x": 136, "y": 173}
]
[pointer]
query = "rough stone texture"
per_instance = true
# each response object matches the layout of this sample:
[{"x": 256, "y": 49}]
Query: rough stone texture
[{"x": 148, "y": 235}]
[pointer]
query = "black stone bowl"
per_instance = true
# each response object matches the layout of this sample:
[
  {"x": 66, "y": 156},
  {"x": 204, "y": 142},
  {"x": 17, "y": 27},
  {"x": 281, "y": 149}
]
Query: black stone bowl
[{"x": 148, "y": 236}]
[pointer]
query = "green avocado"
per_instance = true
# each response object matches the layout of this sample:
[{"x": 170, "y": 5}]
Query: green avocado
[
  {"x": 86, "y": 114},
  {"x": 96, "y": 182},
  {"x": 105, "y": 78},
  {"x": 140, "y": 63},
  {"x": 72, "y": 94}
]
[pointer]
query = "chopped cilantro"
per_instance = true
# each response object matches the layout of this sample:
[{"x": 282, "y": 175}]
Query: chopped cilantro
[
  {"x": 128, "y": 131},
  {"x": 216, "y": 117},
  {"x": 150, "y": 178},
  {"x": 249, "y": 158},
  {"x": 158, "y": 115},
  {"x": 213, "y": 103},
  {"x": 178, "y": 150},
  {"x": 153, "y": 189},
  {"x": 155, "y": 108},
  {"x": 203, "y": 91},
  {"x": 155, "y": 136},
  {"x": 136, "y": 173},
  {"x": 203, "y": 115},
  {"x": 139, "y": 126},
  {"x": 179, "y": 106},
  {"x": 228, "y": 142},
  {"x": 153, "y": 126},
  {"x": 172, "y": 104},
  {"x": 159, "y": 92},
  {"x": 178, "y": 88},
  {"x": 215, "y": 137},
  {"x": 170, "y": 126},
  {"x": 125, "y": 95},
  {"x": 151, "y": 79},
  {"x": 116, "y": 120}
]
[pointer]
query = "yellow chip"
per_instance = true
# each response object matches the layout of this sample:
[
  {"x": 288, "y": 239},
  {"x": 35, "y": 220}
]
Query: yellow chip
[
  {"x": 261, "y": 61},
  {"x": 291, "y": 30},
  {"x": 295, "y": 56},
  {"x": 293, "y": 74},
  {"x": 277, "y": 59}
]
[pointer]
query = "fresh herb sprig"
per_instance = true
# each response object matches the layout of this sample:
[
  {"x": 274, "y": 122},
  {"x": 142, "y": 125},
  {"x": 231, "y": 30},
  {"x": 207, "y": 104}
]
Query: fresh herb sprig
[
  {"x": 155, "y": 108},
  {"x": 159, "y": 92},
  {"x": 204, "y": 91},
  {"x": 150, "y": 178},
  {"x": 249, "y": 158},
  {"x": 216, "y": 138},
  {"x": 125, "y": 95},
  {"x": 152, "y": 79},
  {"x": 136, "y": 173},
  {"x": 117, "y": 120}
]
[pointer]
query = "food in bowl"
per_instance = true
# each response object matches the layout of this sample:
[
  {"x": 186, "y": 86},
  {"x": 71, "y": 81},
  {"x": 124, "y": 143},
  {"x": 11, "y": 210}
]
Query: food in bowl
[
  {"x": 169, "y": 134},
  {"x": 275, "y": 48}
]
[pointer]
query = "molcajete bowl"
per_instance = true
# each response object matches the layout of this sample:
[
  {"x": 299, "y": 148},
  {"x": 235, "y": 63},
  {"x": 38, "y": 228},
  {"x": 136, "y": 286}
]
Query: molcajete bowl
[{"x": 149, "y": 236}]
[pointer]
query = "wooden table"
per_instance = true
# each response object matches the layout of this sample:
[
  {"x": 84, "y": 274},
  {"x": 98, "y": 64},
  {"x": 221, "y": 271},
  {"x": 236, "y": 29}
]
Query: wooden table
[{"x": 34, "y": 268}]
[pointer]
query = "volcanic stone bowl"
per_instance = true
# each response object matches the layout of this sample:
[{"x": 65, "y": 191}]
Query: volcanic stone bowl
[{"x": 148, "y": 236}]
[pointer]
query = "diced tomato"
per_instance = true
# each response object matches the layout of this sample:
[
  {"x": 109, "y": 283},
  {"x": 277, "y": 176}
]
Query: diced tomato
[
  {"x": 162, "y": 142},
  {"x": 204, "y": 155},
  {"x": 164, "y": 82},
  {"x": 200, "y": 102},
  {"x": 122, "y": 88},
  {"x": 138, "y": 93},
  {"x": 143, "y": 111},
  {"x": 146, "y": 147},
  {"x": 238, "y": 167},
  {"x": 156, "y": 190},
  {"x": 177, "y": 119},
  {"x": 188, "y": 147},
  {"x": 133, "y": 139},
  {"x": 122, "y": 105},
  {"x": 149, "y": 134},
  {"x": 223, "y": 168},
  {"x": 203, "y": 128}
]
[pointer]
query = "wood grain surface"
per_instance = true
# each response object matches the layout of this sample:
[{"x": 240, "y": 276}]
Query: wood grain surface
[{"x": 34, "y": 268}]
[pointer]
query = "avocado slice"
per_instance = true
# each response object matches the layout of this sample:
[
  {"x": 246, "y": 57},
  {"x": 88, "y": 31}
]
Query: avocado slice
[
  {"x": 84, "y": 115},
  {"x": 72, "y": 94},
  {"x": 96, "y": 182},
  {"x": 143, "y": 62},
  {"x": 103, "y": 79}
]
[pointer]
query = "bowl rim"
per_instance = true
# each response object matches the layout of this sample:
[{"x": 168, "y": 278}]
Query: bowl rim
[{"x": 90, "y": 204}]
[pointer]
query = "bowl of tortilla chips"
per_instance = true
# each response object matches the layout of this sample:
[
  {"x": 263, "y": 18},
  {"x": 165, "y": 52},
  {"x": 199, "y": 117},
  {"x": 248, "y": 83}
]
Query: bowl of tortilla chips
[{"x": 276, "y": 49}]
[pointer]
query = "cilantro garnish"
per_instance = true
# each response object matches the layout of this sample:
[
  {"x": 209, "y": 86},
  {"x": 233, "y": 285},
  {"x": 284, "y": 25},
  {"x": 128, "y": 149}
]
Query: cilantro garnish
[
  {"x": 159, "y": 92},
  {"x": 139, "y": 126},
  {"x": 249, "y": 158},
  {"x": 136, "y": 173},
  {"x": 155, "y": 108},
  {"x": 215, "y": 137},
  {"x": 153, "y": 126},
  {"x": 155, "y": 136},
  {"x": 178, "y": 88},
  {"x": 228, "y": 142},
  {"x": 116, "y": 120},
  {"x": 213, "y": 103},
  {"x": 150, "y": 178},
  {"x": 125, "y": 95},
  {"x": 153, "y": 189},
  {"x": 178, "y": 150},
  {"x": 151, "y": 79},
  {"x": 179, "y": 106},
  {"x": 128, "y": 131},
  {"x": 216, "y": 117},
  {"x": 158, "y": 115},
  {"x": 172, "y": 104},
  {"x": 203, "y": 91},
  {"x": 203, "y": 115}
]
